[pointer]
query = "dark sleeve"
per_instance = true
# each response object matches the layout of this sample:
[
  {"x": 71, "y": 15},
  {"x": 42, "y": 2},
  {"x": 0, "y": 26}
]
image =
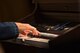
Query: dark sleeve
[{"x": 8, "y": 30}]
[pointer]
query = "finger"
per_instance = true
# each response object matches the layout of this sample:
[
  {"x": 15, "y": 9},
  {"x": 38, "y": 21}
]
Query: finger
[{"x": 35, "y": 32}]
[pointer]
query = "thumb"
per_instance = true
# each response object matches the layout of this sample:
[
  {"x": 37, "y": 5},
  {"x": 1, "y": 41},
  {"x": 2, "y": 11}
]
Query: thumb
[{"x": 26, "y": 32}]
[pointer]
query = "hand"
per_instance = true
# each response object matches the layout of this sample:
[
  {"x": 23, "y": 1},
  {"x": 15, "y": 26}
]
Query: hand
[{"x": 25, "y": 29}]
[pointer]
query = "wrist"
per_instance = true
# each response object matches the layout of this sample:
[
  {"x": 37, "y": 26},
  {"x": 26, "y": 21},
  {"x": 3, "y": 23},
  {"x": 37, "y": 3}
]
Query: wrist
[{"x": 19, "y": 26}]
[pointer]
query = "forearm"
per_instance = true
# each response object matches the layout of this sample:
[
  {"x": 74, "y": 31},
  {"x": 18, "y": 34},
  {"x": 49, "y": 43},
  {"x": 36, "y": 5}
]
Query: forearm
[{"x": 8, "y": 30}]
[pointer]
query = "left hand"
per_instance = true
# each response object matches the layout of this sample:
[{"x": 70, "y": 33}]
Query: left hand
[{"x": 25, "y": 29}]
